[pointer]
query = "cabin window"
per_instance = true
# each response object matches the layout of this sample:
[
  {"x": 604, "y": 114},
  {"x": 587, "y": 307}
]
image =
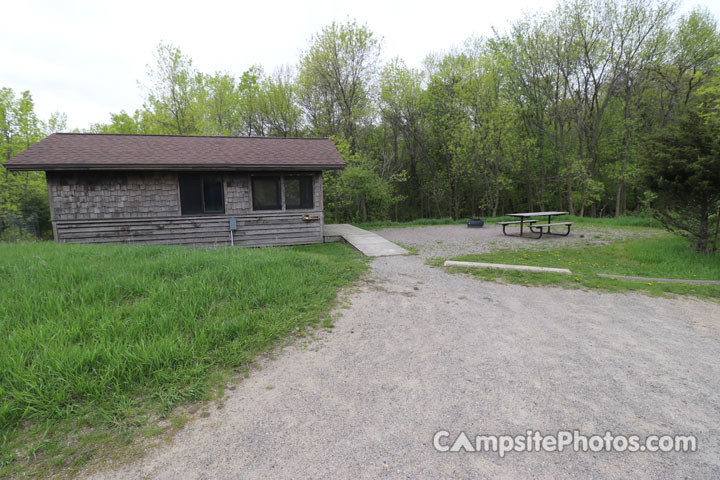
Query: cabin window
[
  {"x": 266, "y": 193},
  {"x": 298, "y": 192},
  {"x": 201, "y": 193}
]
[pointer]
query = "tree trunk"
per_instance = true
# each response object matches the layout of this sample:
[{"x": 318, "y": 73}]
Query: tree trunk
[
  {"x": 437, "y": 200},
  {"x": 717, "y": 231},
  {"x": 703, "y": 230},
  {"x": 363, "y": 208},
  {"x": 528, "y": 185},
  {"x": 497, "y": 200},
  {"x": 543, "y": 174},
  {"x": 568, "y": 172},
  {"x": 335, "y": 201}
]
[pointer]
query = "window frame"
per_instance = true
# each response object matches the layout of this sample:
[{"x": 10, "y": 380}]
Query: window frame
[
  {"x": 280, "y": 194},
  {"x": 283, "y": 201},
  {"x": 312, "y": 192},
  {"x": 200, "y": 177}
]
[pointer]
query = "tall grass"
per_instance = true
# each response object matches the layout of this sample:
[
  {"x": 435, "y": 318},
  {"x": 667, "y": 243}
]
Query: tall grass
[{"x": 94, "y": 333}]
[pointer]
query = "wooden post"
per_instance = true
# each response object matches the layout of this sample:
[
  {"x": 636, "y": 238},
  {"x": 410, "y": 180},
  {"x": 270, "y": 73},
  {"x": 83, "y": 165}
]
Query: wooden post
[{"x": 51, "y": 204}]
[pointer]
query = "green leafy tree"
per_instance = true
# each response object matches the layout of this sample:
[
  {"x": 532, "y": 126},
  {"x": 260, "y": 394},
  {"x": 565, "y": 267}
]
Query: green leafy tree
[
  {"x": 173, "y": 92},
  {"x": 220, "y": 105},
  {"x": 360, "y": 193},
  {"x": 251, "y": 108},
  {"x": 57, "y": 123},
  {"x": 336, "y": 79},
  {"x": 684, "y": 174},
  {"x": 279, "y": 104},
  {"x": 141, "y": 122},
  {"x": 401, "y": 111},
  {"x": 23, "y": 195}
]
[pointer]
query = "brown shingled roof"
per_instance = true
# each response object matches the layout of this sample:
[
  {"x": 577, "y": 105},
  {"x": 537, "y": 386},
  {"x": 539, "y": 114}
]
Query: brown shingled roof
[{"x": 78, "y": 151}]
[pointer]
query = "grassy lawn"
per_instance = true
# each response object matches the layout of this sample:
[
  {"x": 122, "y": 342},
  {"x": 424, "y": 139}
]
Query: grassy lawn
[
  {"x": 424, "y": 222},
  {"x": 665, "y": 256},
  {"x": 100, "y": 342}
]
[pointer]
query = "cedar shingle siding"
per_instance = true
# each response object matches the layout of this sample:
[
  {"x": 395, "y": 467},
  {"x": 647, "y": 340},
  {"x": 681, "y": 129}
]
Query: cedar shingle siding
[
  {"x": 110, "y": 199},
  {"x": 104, "y": 195}
]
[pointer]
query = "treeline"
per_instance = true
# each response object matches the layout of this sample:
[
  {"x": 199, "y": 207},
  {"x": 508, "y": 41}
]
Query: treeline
[
  {"x": 556, "y": 112},
  {"x": 24, "y": 206}
]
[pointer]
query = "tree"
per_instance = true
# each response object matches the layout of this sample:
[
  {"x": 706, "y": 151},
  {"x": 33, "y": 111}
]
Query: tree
[
  {"x": 172, "y": 95},
  {"x": 251, "y": 112},
  {"x": 141, "y": 122},
  {"x": 57, "y": 123},
  {"x": 692, "y": 52},
  {"x": 23, "y": 195},
  {"x": 278, "y": 103},
  {"x": 360, "y": 192},
  {"x": 336, "y": 77},
  {"x": 642, "y": 34},
  {"x": 402, "y": 118},
  {"x": 684, "y": 174},
  {"x": 220, "y": 105},
  {"x": 446, "y": 114}
]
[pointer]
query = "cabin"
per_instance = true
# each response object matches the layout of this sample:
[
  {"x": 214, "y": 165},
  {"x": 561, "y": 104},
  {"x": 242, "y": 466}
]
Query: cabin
[{"x": 183, "y": 190}]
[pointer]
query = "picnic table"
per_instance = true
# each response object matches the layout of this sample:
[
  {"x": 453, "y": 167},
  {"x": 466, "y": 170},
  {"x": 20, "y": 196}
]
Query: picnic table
[{"x": 535, "y": 227}]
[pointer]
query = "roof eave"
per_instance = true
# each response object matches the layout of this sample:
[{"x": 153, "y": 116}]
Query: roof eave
[{"x": 174, "y": 167}]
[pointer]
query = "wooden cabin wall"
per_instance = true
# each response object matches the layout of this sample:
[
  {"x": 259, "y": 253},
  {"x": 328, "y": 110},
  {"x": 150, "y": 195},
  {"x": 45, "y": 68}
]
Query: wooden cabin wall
[{"x": 144, "y": 208}]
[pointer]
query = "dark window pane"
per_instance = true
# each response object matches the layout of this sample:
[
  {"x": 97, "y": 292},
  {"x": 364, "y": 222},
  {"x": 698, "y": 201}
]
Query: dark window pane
[
  {"x": 298, "y": 192},
  {"x": 213, "y": 193},
  {"x": 292, "y": 192},
  {"x": 266, "y": 193},
  {"x": 306, "y": 192},
  {"x": 190, "y": 194},
  {"x": 201, "y": 194}
]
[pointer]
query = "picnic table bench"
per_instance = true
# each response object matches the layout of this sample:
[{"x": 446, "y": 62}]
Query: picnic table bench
[
  {"x": 535, "y": 227},
  {"x": 505, "y": 224},
  {"x": 541, "y": 226}
]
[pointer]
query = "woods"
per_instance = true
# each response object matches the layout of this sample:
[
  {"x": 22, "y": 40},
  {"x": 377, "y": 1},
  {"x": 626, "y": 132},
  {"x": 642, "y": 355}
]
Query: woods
[
  {"x": 24, "y": 206},
  {"x": 561, "y": 110}
]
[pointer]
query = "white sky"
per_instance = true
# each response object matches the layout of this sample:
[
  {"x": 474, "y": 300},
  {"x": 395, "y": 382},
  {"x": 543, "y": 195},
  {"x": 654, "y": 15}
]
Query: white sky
[{"x": 84, "y": 57}]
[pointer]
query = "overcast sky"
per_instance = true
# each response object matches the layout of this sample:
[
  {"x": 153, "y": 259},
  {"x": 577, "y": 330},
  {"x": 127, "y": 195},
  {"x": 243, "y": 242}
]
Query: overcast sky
[{"x": 84, "y": 57}]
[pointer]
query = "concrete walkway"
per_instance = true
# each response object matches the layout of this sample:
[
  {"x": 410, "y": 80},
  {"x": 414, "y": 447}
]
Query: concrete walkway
[{"x": 368, "y": 243}]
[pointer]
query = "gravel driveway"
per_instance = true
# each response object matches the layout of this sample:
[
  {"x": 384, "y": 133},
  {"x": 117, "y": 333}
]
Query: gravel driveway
[
  {"x": 419, "y": 350},
  {"x": 451, "y": 240}
]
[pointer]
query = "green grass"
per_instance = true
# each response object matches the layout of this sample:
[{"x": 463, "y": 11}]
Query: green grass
[
  {"x": 99, "y": 340},
  {"x": 664, "y": 256},
  {"x": 626, "y": 221}
]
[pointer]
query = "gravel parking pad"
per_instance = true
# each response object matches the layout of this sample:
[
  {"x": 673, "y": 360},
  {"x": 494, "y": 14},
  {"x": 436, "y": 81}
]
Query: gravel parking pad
[
  {"x": 451, "y": 240},
  {"x": 418, "y": 350}
]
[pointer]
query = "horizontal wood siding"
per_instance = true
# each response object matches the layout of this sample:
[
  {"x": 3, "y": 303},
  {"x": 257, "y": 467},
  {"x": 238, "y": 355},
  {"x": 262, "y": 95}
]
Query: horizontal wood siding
[{"x": 252, "y": 230}]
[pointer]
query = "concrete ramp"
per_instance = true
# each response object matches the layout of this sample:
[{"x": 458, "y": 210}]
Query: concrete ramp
[{"x": 368, "y": 243}]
